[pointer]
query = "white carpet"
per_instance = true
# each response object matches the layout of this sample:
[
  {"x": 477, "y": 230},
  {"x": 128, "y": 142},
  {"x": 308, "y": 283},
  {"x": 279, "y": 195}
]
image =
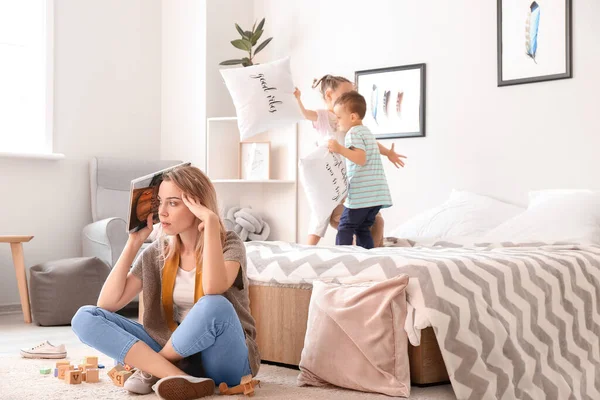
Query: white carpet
[{"x": 20, "y": 379}]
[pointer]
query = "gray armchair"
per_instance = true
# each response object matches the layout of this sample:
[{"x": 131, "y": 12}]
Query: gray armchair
[{"x": 110, "y": 180}]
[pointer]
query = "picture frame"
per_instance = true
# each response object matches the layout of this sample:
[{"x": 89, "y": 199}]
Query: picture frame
[
  {"x": 255, "y": 160},
  {"x": 396, "y": 99},
  {"x": 534, "y": 41}
]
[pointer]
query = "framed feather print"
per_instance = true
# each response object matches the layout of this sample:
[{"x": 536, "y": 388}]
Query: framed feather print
[
  {"x": 534, "y": 41},
  {"x": 395, "y": 100}
]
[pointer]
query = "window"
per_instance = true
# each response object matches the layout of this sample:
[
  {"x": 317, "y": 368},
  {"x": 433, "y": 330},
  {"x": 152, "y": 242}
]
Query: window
[{"x": 26, "y": 76}]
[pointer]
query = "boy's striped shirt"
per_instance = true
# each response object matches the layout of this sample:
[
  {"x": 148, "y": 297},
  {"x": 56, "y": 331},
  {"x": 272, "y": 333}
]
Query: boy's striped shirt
[{"x": 368, "y": 186}]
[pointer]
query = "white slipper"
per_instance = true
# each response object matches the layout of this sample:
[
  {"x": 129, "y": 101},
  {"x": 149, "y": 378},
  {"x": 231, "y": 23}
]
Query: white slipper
[
  {"x": 140, "y": 382},
  {"x": 45, "y": 350}
]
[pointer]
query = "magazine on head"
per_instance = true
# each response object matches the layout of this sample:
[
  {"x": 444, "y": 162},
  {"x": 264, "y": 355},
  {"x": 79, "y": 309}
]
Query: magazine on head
[{"x": 143, "y": 198}]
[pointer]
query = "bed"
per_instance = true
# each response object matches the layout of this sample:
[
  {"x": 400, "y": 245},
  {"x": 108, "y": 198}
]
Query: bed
[
  {"x": 510, "y": 320},
  {"x": 282, "y": 312}
]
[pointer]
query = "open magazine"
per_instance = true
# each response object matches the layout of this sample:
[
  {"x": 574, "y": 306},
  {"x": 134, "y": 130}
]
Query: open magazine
[{"x": 143, "y": 199}]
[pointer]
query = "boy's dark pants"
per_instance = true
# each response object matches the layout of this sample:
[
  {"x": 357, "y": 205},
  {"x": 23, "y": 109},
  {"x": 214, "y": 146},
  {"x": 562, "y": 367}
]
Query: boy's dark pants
[{"x": 357, "y": 221}]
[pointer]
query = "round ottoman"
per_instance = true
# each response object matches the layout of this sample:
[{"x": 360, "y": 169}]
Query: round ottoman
[{"x": 59, "y": 288}]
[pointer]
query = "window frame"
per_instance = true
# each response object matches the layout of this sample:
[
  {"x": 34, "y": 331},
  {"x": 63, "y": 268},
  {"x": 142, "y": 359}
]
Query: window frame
[{"x": 48, "y": 145}]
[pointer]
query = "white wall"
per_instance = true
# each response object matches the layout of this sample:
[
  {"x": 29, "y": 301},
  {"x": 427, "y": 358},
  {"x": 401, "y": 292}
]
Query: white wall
[
  {"x": 497, "y": 141},
  {"x": 106, "y": 103},
  {"x": 183, "y": 80},
  {"x": 195, "y": 39},
  {"x": 220, "y": 31}
]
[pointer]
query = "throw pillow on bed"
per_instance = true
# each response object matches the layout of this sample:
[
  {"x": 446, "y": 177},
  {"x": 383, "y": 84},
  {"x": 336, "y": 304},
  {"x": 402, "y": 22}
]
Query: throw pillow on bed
[
  {"x": 570, "y": 217},
  {"x": 463, "y": 214},
  {"x": 355, "y": 337},
  {"x": 323, "y": 177},
  {"x": 539, "y": 196},
  {"x": 263, "y": 96}
]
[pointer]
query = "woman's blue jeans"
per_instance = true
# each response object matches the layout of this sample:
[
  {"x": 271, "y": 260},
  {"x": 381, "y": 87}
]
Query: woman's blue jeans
[{"x": 211, "y": 331}]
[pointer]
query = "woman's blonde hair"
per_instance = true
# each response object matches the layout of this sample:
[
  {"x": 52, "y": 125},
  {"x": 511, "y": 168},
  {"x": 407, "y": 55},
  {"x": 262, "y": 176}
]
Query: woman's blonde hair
[{"x": 194, "y": 183}]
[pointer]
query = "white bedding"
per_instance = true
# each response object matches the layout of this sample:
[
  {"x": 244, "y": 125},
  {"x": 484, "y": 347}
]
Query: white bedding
[{"x": 284, "y": 263}]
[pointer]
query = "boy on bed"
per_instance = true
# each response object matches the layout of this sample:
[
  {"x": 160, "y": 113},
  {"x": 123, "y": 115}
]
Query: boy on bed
[{"x": 368, "y": 190}]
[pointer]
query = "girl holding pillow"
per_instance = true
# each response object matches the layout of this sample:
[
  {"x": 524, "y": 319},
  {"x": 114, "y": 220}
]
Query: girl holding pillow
[{"x": 325, "y": 122}]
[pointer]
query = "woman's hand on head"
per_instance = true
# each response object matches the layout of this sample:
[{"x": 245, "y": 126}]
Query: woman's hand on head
[
  {"x": 201, "y": 212},
  {"x": 140, "y": 236}
]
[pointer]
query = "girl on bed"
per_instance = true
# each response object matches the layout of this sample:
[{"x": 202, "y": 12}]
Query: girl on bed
[
  {"x": 197, "y": 328},
  {"x": 325, "y": 122}
]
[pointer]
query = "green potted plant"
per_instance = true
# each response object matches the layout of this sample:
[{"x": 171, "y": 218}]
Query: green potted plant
[{"x": 247, "y": 42}]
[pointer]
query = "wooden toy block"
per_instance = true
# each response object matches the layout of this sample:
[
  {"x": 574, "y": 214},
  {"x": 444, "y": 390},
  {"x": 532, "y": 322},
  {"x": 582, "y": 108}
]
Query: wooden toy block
[
  {"x": 246, "y": 387},
  {"x": 114, "y": 371},
  {"x": 45, "y": 371},
  {"x": 127, "y": 367},
  {"x": 59, "y": 363},
  {"x": 91, "y": 360},
  {"x": 73, "y": 377},
  {"x": 121, "y": 377},
  {"x": 62, "y": 370},
  {"x": 83, "y": 376},
  {"x": 84, "y": 367},
  {"x": 92, "y": 375}
]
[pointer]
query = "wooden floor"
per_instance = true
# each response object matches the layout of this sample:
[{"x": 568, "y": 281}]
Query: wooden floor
[{"x": 15, "y": 334}]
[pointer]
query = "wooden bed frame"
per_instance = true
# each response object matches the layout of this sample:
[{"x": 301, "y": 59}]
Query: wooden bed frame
[{"x": 281, "y": 314}]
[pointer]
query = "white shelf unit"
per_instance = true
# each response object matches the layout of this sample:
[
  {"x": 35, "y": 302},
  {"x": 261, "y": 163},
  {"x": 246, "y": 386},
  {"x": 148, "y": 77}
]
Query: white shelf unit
[{"x": 276, "y": 199}]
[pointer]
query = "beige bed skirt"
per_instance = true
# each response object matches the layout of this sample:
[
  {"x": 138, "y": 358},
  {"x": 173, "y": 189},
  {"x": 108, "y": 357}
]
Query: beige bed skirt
[{"x": 281, "y": 313}]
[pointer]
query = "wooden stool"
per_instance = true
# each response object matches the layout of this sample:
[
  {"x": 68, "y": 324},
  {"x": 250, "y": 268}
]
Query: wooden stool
[{"x": 16, "y": 247}]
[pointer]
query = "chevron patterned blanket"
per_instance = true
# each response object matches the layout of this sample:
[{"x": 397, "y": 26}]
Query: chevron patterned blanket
[{"x": 512, "y": 322}]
